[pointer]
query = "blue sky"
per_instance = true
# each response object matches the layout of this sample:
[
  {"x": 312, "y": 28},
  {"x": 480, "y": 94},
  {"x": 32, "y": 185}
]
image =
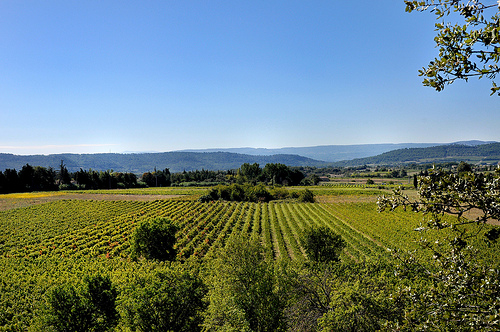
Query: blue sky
[{"x": 101, "y": 76}]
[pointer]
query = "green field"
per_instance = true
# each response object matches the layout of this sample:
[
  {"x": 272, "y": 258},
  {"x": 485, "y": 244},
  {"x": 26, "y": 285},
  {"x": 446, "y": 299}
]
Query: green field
[{"x": 48, "y": 239}]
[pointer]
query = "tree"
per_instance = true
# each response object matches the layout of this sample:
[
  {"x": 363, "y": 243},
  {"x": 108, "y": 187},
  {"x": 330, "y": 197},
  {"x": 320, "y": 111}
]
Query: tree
[
  {"x": 170, "y": 299},
  {"x": 244, "y": 290},
  {"x": 92, "y": 308},
  {"x": 464, "y": 167},
  {"x": 26, "y": 177},
  {"x": 249, "y": 173},
  {"x": 155, "y": 239},
  {"x": 322, "y": 244},
  {"x": 282, "y": 175},
  {"x": 64, "y": 177},
  {"x": 470, "y": 48},
  {"x": 463, "y": 291},
  {"x": 12, "y": 181},
  {"x": 157, "y": 178},
  {"x": 306, "y": 196}
]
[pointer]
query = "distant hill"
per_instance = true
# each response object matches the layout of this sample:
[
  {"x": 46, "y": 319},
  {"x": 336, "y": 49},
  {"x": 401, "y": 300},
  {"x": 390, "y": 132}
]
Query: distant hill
[
  {"x": 333, "y": 153},
  {"x": 225, "y": 159},
  {"x": 139, "y": 163},
  {"x": 477, "y": 154}
]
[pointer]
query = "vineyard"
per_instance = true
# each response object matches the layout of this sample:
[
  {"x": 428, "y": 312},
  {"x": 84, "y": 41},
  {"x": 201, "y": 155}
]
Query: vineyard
[
  {"x": 81, "y": 228},
  {"x": 47, "y": 243}
]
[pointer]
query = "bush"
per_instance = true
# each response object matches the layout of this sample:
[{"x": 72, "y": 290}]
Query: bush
[
  {"x": 68, "y": 186},
  {"x": 280, "y": 193},
  {"x": 306, "y": 196},
  {"x": 93, "y": 308},
  {"x": 322, "y": 244},
  {"x": 155, "y": 239},
  {"x": 238, "y": 192},
  {"x": 170, "y": 299},
  {"x": 245, "y": 291}
]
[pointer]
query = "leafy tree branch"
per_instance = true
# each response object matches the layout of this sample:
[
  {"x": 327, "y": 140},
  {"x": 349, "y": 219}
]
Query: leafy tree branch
[{"x": 470, "y": 48}]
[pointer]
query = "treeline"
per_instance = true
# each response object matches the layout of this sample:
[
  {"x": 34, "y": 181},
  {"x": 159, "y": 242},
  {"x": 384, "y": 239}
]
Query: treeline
[
  {"x": 28, "y": 179},
  {"x": 163, "y": 178},
  {"x": 37, "y": 178},
  {"x": 103, "y": 180},
  {"x": 271, "y": 174}
]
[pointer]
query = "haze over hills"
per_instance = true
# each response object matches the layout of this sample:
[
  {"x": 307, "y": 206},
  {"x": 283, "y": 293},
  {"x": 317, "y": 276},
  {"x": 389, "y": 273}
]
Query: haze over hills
[
  {"x": 333, "y": 153},
  {"x": 327, "y": 153},
  {"x": 225, "y": 159},
  {"x": 144, "y": 162},
  {"x": 475, "y": 154}
]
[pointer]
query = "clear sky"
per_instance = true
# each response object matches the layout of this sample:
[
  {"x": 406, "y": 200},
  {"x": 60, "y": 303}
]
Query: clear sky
[{"x": 101, "y": 76}]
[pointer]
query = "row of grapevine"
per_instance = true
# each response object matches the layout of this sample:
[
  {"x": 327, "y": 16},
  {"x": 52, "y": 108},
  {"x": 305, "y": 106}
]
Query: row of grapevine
[{"x": 104, "y": 228}]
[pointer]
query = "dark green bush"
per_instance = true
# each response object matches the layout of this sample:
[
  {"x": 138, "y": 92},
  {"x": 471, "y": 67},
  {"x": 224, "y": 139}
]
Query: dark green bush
[
  {"x": 155, "y": 239},
  {"x": 170, "y": 299},
  {"x": 322, "y": 244},
  {"x": 92, "y": 308},
  {"x": 306, "y": 196}
]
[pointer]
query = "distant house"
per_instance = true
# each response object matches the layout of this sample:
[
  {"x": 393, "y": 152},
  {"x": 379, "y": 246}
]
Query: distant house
[{"x": 324, "y": 179}]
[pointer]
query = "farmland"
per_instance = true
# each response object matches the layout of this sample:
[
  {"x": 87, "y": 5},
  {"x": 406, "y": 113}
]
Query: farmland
[{"x": 47, "y": 239}]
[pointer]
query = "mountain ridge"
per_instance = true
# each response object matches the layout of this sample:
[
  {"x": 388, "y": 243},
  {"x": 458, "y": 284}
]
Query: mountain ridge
[
  {"x": 144, "y": 162},
  {"x": 335, "y": 153},
  {"x": 476, "y": 154},
  {"x": 178, "y": 161}
]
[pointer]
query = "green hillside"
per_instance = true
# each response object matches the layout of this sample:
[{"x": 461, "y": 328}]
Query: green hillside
[
  {"x": 479, "y": 154},
  {"x": 143, "y": 162}
]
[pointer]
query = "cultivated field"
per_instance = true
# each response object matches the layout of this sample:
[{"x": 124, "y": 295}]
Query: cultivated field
[{"x": 50, "y": 238}]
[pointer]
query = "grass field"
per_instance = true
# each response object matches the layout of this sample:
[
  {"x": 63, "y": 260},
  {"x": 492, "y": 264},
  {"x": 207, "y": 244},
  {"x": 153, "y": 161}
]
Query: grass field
[{"x": 50, "y": 238}]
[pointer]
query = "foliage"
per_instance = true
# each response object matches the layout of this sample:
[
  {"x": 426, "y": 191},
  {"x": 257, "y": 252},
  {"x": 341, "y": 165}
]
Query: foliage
[
  {"x": 359, "y": 297},
  {"x": 464, "y": 167},
  {"x": 344, "y": 297},
  {"x": 470, "y": 48},
  {"x": 450, "y": 193},
  {"x": 90, "y": 309},
  {"x": 155, "y": 239},
  {"x": 280, "y": 174},
  {"x": 49, "y": 244},
  {"x": 253, "y": 193},
  {"x": 64, "y": 177},
  {"x": 157, "y": 178},
  {"x": 244, "y": 290},
  {"x": 251, "y": 173},
  {"x": 322, "y": 244},
  {"x": 168, "y": 299},
  {"x": 464, "y": 292},
  {"x": 29, "y": 178},
  {"x": 105, "y": 180},
  {"x": 436, "y": 154},
  {"x": 306, "y": 196}
]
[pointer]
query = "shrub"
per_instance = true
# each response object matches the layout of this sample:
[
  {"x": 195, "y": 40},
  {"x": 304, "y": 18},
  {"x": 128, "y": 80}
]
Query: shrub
[
  {"x": 244, "y": 290},
  {"x": 322, "y": 244},
  {"x": 92, "y": 308},
  {"x": 155, "y": 239},
  {"x": 170, "y": 299},
  {"x": 306, "y": 196}
]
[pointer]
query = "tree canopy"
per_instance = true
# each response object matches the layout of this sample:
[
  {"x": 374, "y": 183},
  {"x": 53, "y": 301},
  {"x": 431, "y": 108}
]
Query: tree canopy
[
  {"x": 463, "y": 291},
  {"x": 467, "y": 48},
  {"x": 155, "y": 239}
]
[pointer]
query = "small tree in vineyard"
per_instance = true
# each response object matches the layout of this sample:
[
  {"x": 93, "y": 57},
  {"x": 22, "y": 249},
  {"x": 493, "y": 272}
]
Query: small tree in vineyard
[
  {"x": 155, "y": 239},
  {"x": 322, "y": 244}
]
